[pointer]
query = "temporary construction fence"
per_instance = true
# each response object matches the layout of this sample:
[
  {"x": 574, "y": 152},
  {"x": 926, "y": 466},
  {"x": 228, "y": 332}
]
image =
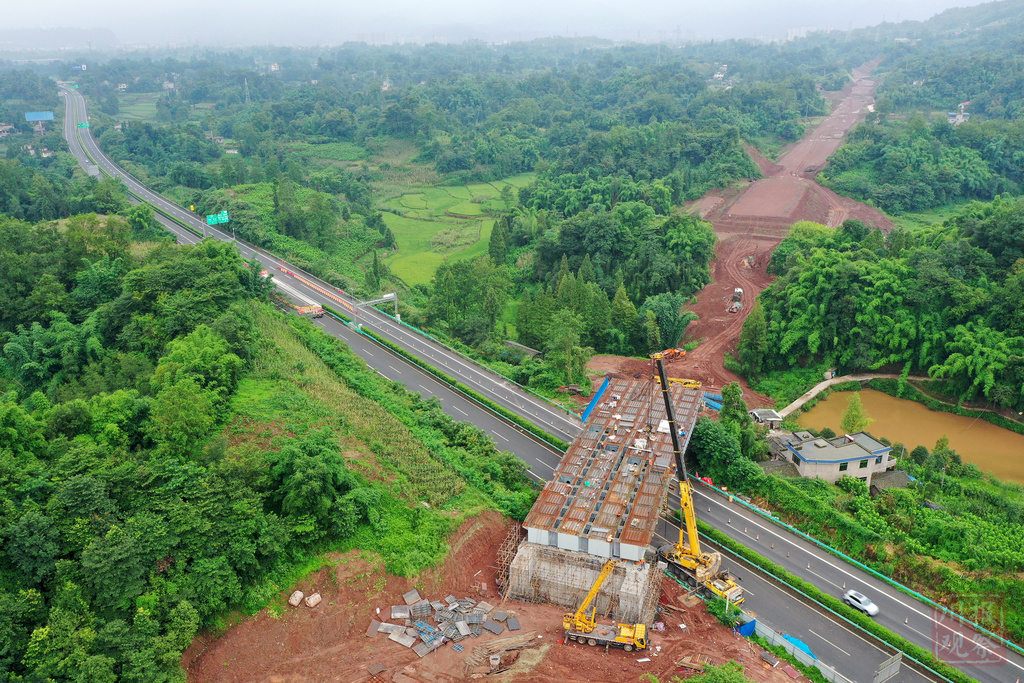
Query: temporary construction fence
[{"x": 775, "y": 639}]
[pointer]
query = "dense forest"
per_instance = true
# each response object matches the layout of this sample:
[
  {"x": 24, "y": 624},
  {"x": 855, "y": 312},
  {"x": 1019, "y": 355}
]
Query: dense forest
[
  {"x": 171, "y": 449},
  {"x": 946, "y": 301}
]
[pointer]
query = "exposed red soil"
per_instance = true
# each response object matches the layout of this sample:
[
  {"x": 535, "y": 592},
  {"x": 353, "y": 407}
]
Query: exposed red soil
[
  {"x": 328, "y": 642},
  {"x": 750, "y": 219}
]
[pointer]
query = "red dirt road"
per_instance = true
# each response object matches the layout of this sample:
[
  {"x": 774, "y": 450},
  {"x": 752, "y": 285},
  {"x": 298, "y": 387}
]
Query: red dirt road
[{"x": 750, "y": 220}]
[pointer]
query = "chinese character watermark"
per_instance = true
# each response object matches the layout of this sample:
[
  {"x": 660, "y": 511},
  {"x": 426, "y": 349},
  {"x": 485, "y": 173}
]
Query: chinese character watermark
[{"x": 955, "y": 641}]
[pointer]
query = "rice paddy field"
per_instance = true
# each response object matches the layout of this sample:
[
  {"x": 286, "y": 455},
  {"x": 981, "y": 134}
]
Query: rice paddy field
[
  {"x": 435, "y": 224},
  {"x": 138, "y": 106}
]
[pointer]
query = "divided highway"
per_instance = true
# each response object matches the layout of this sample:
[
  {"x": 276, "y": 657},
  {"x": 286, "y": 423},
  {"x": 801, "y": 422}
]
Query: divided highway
[
  {"x": 552, "y": 419},
  {"x": 830, "y": 639}
]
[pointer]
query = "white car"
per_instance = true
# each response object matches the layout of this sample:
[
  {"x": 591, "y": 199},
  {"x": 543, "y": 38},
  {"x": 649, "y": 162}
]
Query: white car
[{"x": 861, "y": 602}]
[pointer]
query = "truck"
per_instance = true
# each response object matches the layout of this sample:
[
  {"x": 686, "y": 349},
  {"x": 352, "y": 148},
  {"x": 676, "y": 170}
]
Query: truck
[
  {"x": 737, "y": 294},
  {"x": 580, "y": 626},
  {"x": 686, "y": 560}
]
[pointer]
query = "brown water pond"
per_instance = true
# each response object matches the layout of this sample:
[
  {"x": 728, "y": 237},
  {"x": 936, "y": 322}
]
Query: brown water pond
[{"x": 992, "y": 448}]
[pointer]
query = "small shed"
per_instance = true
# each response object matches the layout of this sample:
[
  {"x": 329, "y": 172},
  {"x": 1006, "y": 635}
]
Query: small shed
[
  {"x": 883, "y": 481},
  {"x": 766, "y": 416},
  {"x": 523, "y": 349}
]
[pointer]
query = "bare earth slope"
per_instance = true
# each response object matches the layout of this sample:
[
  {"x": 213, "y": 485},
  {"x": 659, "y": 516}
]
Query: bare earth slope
[{"x": 750, "y": 220}]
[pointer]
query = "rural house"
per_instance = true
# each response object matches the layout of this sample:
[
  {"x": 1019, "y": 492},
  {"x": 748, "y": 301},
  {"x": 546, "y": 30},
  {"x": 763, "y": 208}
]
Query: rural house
[{"x": 857, "y": 455}]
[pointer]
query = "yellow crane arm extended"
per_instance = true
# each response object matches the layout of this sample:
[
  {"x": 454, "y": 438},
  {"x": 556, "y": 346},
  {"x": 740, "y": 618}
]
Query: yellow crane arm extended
[
  {"x": 687, "y": 554},
  {"x": 582, "y": 620}
]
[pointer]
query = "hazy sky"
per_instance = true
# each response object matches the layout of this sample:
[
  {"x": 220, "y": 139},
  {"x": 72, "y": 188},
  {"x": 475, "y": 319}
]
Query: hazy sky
[{"x": 323, "y": 22}]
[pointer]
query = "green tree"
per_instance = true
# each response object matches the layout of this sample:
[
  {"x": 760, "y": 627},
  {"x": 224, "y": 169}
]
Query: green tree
[
  {"x": 497, "y": 246},
  {"x": 624, "y": 317},
  {"x": 33, "y": 545},
  {"x": 753, "y": 344},
  {"x": 565, "y": 354},
  {"x": 652, "y": 332},
  {"x": 373, "y": 274},
  {"x": 854, "y": 418},
  {"x": 714, "y": 448},
  {"x": 182, "y": 415},
  {"x": 734, "y": 409}
]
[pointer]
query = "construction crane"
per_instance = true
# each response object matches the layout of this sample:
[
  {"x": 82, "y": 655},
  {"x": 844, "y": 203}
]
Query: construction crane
[
  {"x": 685, "y": 558},
  {"x": 688, "y": 383},
  {"x": 582, "y": 625}
]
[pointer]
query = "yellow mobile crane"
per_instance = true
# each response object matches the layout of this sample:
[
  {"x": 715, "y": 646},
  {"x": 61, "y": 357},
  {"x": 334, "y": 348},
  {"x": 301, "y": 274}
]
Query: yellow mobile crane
[
  {"x": 581, "y": 626},
  {"x": 685, "y": 559}
]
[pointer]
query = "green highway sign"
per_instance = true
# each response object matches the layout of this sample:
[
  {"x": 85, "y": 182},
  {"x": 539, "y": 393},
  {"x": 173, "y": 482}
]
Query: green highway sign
[
  {"x": 217, "y": 218},
  {"x": 83, "y": 124}
]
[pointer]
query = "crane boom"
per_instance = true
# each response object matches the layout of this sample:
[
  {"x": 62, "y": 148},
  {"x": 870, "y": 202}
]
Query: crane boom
[
  {"x": 582, "y": 620},
  {"x": 685, "y": 496},
  {"x": 685, "y": 558}
]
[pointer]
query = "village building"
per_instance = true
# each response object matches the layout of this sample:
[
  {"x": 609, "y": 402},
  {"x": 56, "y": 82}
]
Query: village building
[{"x": 856, "y": 455}]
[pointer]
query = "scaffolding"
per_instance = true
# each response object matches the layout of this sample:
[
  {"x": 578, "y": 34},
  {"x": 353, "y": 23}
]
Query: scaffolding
[
  {"x": 506, "y": 553},
  {"x": 542, "y": 574}
]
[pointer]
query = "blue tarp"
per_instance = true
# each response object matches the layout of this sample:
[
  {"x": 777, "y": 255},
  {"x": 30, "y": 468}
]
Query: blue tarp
[
  {"x": 31, "y": 116},
  {"x": 711, "y": 404},
  {"x": 801, "y": 645},
  {"x": 746, "y": 630},
  {"x": 593, "y": 401}
]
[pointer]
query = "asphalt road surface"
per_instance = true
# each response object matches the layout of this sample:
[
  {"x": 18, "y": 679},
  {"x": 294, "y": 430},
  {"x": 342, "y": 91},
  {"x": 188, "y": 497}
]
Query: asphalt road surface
[
  {"x": 553, "y": 419},
  {"x": 835, "y": 643}
]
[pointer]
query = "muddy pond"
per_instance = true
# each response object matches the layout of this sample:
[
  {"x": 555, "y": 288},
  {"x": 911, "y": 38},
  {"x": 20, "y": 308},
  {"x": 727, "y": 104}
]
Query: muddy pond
[{"x": 992, "y": 448}]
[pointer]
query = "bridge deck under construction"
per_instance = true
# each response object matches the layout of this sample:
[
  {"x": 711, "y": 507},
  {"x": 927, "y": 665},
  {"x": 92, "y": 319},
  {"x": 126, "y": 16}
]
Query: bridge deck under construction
[{"x": 608, "y": 491}]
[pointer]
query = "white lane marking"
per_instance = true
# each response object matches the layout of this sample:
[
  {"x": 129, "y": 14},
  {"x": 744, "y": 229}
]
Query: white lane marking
[
  {"x": 500, "y": 436},
  {"x": 460, "y": 410},
  {"x": 743, "y": 514},
  {"x": 823, "y": 578},
  {"x": 534, "y": 474},
  {"x": 550, "y": 467},
  {"x": 830, "y": 643}
]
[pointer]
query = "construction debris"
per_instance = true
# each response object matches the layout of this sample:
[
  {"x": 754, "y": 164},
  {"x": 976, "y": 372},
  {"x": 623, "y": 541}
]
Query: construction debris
[
  {"x": 695, "y": 662},
  {"x": 313, "y": 600},
  {"x": 453, "y": 620},
  {"x": 296, "y": 598},
  {"x": 482, "y": 653}
]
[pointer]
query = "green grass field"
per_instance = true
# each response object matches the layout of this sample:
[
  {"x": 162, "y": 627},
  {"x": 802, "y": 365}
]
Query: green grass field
[
  {"x": 331, "y": 151},
  {"x": 420, "y": 247},
  {"x": 138, "y": 106}
]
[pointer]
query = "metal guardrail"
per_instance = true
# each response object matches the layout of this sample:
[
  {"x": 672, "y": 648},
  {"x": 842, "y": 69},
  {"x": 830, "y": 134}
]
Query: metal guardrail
[{"x": 860, "y": 565}]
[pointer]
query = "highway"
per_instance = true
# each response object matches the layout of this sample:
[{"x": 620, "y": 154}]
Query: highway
[
  {"x": 554, "y": 420},
  {"x": 833, "y": 642}
]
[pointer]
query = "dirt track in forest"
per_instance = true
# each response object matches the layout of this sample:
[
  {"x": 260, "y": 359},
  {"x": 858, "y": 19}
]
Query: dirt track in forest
[{"x": 750, "y": 219}]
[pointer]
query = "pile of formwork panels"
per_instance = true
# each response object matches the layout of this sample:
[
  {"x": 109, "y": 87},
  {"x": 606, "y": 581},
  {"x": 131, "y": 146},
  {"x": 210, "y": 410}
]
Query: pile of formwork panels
[{"x": 425, "y": 625}]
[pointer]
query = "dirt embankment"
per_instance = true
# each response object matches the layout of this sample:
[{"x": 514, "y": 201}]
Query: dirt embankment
[
  {"x": 750, "y": 219},
  {"x": 328, "y": 642}
]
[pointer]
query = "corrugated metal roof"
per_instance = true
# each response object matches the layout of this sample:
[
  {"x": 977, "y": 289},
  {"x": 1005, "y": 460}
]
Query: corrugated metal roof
[{"x": 614, "y": 478}]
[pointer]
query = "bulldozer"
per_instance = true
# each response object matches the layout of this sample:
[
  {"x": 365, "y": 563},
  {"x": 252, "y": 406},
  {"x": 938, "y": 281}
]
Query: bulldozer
[
  {"x": 581, "y": 626},
  {"x": 685, "y": 558}
]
